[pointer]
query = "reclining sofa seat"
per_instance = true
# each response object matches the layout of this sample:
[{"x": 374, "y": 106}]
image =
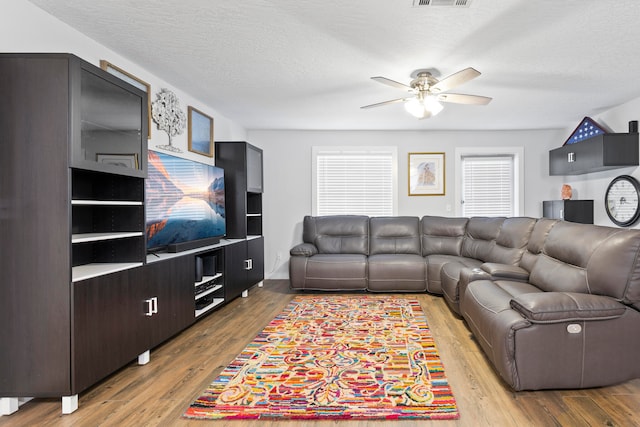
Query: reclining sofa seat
[
  {"x": 333, "y": 255},
  {"x": 571, "y": 320},
  {"x": 395, "y": 258},
  {"x": 506, "y": 248},
  {"x": 442, "y": 239}
]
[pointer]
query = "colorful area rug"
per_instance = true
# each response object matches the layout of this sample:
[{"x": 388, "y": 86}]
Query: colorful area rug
[{"x": 335, "y": 357}]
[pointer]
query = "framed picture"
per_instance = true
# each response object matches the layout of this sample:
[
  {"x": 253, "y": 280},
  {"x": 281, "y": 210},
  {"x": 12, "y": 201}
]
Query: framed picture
[
  {"x": 123, "y": 160},
  {"x": 426, "y": 174},
  {"x": 134, "y": 81},
  {"x": 200, "y": 132}
]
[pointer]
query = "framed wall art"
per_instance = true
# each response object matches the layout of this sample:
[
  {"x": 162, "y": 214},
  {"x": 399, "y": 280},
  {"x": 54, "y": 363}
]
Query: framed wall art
[
  {"x": 134, "y": 81},
  {"x": 426, "y": 174},
  {"x": 200, "y": 132}
]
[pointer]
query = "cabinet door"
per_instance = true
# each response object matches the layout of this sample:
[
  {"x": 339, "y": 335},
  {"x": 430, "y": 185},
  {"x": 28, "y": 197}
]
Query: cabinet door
[
  {"x": 35, "y": 308},
  {"x": 578, "y": 211},
  {"x": 553, "y": 209},
  {"x": 107, "y": 325},
  {"x": 170, "y": 282},
  {"x": 235, "y": 257},
  {"x": 254, "y": 169},
  {"x": 255, "y": 252}
]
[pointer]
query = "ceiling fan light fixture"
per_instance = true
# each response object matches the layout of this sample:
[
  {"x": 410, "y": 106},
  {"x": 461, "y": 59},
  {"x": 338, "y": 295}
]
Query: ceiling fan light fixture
[
  {"x": 431, "y": 103},
  {"x": 423, "y": 108},
  {"x": 415, "y": 108}
]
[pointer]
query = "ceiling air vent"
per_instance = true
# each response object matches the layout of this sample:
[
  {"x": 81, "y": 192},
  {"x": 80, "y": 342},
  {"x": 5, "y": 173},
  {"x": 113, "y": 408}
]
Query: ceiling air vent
[{"x": 449, "y": 3}]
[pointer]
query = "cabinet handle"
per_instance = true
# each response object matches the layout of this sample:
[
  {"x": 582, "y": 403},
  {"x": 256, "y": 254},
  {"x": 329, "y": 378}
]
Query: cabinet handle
[
  {"x": 149, "y": 307},
  {"x": 248, "y": 264},
  {"x": 571, "y": 157},
  {"x": 152, "y": 306}
]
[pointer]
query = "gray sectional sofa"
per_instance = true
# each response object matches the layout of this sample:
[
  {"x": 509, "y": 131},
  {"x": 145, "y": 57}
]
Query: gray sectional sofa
[{"x": 553, "y": 304}]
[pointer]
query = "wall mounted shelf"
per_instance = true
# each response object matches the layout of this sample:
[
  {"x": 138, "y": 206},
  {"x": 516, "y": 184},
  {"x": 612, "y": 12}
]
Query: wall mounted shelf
[{"x": 602, "y": 152}]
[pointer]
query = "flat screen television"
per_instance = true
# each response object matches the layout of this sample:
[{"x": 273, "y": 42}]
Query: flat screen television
[{"x": 185, "y": 203}]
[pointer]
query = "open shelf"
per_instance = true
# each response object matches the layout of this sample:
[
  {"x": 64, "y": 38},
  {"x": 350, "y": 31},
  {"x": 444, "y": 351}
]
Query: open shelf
[
  {"x": 105, "y": 203},
  {"x": 207, "y": 292},
  {"x": 215, "y": 302},
  {"x": 88, "y": 271},
  {"x": 107, "y": 220},
  {"x": 96, "y": 237},
  {"x": 206, "y": 279}
]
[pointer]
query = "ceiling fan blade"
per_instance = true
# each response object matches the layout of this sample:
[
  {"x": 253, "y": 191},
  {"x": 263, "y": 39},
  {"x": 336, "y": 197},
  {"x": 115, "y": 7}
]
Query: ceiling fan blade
[
  {"x": 380, "y": 104},
  {"x": 391, "y": 83},
  {"x": 455, "y": 80},
  {"x": 459, "y": 98}
]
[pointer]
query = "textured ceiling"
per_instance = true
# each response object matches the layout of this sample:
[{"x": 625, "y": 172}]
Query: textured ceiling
[{"x": 291, "y": 64}]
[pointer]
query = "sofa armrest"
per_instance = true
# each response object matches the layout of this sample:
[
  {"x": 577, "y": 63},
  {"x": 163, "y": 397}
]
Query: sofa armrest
[
  {"x": 554, "y": 307},
  {"x": 304, "y": 249},
  {"x": 505, "y": 271}
]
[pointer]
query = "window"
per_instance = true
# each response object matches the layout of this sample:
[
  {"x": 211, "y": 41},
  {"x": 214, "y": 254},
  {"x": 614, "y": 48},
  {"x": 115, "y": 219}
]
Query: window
[
  {"x": 489, "y": 181},
  {"x": 354, "y": 181}
]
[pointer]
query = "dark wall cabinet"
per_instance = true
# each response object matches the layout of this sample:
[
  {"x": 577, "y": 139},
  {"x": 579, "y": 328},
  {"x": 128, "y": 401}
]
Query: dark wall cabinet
[
  {"x": 602, "y": 152},
  {"x": 72, "y": 223},
  {"x": 79, "y": 296},
  {"x": 242, "y": 164},
  {"x": 569, "y": 210}
]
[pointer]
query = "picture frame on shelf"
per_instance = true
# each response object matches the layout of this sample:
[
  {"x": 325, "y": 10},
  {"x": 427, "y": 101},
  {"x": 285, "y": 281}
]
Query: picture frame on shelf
[
  {"x": 200, "y": 132},
  {"x": 426, "y": 174},
  {"x": 134, "y": 81},
  {"x": 124, "y": 160}
]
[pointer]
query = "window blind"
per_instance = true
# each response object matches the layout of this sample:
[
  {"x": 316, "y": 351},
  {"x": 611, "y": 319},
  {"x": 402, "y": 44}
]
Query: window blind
[
  {"x": 488, "y": 185},
  {"x": 354, "y": 183}
]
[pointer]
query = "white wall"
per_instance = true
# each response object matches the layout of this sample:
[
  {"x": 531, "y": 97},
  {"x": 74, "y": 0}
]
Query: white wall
[
  {"x": 287, "y": 174},
  {"x": 26, "y": 28}
]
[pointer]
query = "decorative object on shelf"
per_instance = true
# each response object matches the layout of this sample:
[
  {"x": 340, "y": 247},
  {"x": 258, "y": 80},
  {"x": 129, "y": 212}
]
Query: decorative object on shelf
[
  {"x": 134, "y": 81},
  {"x": 587, "y": 128},
  {"x": 335, "y": 358},
  {"x": 167, "y": 114},
  {"x": 124, "y": 160},
  {"x": 200, "y": 132},
  {"x": 426, "y": 174},
  {"x": 622, "y": 200},
  {"x": 566, "y": 192}
]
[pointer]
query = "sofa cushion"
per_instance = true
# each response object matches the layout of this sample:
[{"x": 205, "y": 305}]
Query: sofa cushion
[
  {"x": 338, "y": 234},
  {"x": 397, "y": 273},
  {"x": 511, "y": 241},
  {"x": 394, "y": 235},
  {"x": 480, "y": 237},
  {"x": 536, "y": 242},
  {"x": 590, "y": 259},
  {"x": 441, "y": 235}
]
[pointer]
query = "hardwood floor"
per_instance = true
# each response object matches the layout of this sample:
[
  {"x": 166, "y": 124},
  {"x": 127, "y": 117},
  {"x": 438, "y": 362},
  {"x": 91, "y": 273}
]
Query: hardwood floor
[{"x": 158, "y": 393}]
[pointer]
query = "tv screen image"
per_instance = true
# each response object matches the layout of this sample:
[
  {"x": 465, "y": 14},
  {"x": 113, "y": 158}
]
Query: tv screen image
[{"x": 185, "y": 204}]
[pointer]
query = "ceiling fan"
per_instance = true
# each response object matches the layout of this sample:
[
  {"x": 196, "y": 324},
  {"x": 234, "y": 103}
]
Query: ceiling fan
[{"x": 427, "y": 92}]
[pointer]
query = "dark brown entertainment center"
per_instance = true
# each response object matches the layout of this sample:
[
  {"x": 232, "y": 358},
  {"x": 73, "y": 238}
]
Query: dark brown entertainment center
[{"x": 79, "y": 295}]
